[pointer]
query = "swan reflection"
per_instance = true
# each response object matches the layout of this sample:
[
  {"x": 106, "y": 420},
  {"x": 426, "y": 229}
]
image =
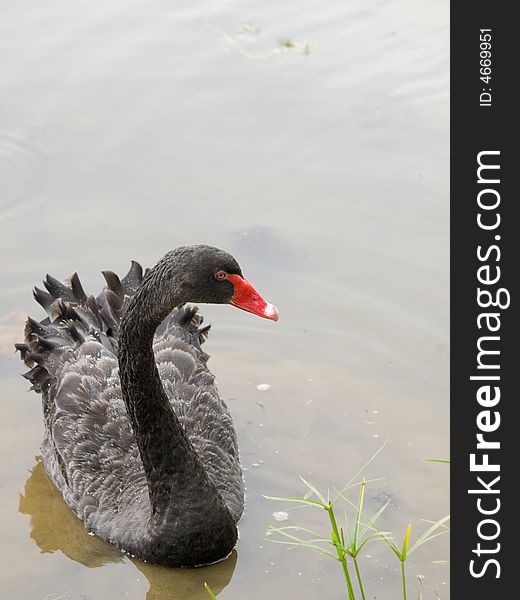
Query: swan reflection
[{"x": 55, "y": 527}]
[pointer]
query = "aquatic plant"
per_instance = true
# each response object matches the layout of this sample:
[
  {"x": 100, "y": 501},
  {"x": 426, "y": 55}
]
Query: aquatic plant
[{"x": 345, "y": 543}]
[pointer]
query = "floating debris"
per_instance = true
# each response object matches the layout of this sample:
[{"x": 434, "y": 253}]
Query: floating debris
[
  {"x": 249, "y": 29},
  {"x": 263, "y": 387},
  {"x": 281, "y": 515},
  {"x": 287, "y": 43}
]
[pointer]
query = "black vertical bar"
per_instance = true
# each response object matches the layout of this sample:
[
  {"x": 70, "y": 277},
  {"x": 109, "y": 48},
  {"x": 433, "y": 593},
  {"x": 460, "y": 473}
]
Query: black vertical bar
[{"x": 485, "y": 127}]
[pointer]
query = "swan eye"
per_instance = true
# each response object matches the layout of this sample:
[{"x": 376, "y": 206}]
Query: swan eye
[{"x": 220, "y": 275}]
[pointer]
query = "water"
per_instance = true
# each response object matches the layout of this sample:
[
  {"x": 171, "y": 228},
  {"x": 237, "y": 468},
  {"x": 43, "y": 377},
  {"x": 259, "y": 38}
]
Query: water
[{"x": 310, "y": 139}]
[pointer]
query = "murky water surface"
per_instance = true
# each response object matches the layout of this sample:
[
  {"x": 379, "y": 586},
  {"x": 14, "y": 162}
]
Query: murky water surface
[{"x": 308, "y": 138}]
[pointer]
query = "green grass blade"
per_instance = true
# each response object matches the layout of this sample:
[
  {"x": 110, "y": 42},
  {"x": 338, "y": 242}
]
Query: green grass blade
[
  {"x": 433, "y": 536},
  {"x": 297, "y": 500},
  {"x": 428, "y": 533},
  {"x": 365, "y": 480},
  {"x": 359, "y": 471},
  {"x": 314, "y": 489},
  {"x": 295, "y": 541},
  {"x": 359, "y": 512},
  {"x": 283, "y": 531},
  {"x": 406, "y": 541},
  {"x": 371, "y": 522},
  {"x": 348, "y": 529},
  {"x": 390, "y": 543},
  {"x": 305, "y": 545},
  {"x": 349, "y": 502},
  {"x": 294, "y": 528}
]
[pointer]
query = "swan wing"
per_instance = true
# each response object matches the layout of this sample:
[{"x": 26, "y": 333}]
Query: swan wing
[{"x": 89, "y": 448}]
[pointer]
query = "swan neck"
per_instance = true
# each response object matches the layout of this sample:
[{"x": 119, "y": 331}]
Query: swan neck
[{"x": 174, "y": 472}]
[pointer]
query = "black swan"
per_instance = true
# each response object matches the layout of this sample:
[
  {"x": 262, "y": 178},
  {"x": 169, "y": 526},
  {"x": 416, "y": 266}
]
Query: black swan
[{"x": 137, "y": 439}]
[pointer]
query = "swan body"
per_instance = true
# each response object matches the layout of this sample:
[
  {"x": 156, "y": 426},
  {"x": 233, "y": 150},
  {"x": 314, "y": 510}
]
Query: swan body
[{"x": 136, "y": 438}]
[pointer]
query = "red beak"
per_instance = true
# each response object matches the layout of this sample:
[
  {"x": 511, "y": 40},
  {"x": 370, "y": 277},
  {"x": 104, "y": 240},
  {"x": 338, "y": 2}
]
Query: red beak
[{"x": 247, "y": 298}]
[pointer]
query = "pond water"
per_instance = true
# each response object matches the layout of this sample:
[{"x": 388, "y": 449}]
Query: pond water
[{"x": 310, "y": 139}]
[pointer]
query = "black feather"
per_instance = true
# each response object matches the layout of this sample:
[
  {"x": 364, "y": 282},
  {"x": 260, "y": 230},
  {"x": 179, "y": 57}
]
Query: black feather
[
  {"x": 43, "y": 298},
  {"x": 77, "y": 289},
  {"x": 113, "y": 283},
  {"x": 58, "y": 289},
  {"x": 132, "y": 279}
]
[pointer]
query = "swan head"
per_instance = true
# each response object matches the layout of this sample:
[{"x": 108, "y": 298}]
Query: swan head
[{"x": 209, "y": 275}]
